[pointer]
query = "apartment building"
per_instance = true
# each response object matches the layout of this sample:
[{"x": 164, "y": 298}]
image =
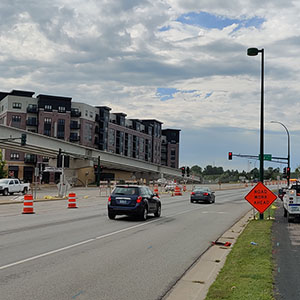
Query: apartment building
[{"x": 91, "y": 126}]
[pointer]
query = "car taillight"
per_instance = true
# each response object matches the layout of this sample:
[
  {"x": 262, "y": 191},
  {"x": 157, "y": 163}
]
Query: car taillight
[
  {"x": 205, "y": 194},
  {"x": 109, "y": 200},
  {"x": 139, "y": 199},
  {"x": 192, "y": 193}
]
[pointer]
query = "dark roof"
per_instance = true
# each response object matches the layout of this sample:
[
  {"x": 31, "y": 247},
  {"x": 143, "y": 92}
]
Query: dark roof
[
  {"x": 16, "y": 93},
  {"x": 152, "y": 120},
  {"x": 22, "y": 93},
  {"x": 104, "y": 107},
  {"x": 50, "y": 97},
  {"x": 170, "y": 129}
]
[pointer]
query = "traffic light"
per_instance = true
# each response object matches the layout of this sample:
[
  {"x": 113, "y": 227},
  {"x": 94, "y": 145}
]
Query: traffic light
[
  {"x": 182, "y": 171},
  {"x": 59, "y": 159},
  {"x": 288, "y": 172},
  {"x": 284, "y": 172},
  {"x": 23, "y": 139},
  {"x": 66, "y": 161},
  {"x": 188, "y": 171},
  {"x": 230, "y": 155}
]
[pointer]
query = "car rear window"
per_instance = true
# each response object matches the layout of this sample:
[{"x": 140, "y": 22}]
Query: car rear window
[
  {"x": 125, "y": 190},
  {"x": 296, "y": 187}
]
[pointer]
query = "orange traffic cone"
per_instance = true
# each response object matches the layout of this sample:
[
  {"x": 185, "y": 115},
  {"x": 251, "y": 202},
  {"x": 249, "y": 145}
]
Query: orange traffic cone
[
  {"x": 72, "y": 201},
  {"x": 28, "y": 204}
]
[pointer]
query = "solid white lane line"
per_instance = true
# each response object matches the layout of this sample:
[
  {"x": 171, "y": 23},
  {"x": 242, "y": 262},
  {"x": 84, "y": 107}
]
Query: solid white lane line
[{"x": 91, "y": 240}]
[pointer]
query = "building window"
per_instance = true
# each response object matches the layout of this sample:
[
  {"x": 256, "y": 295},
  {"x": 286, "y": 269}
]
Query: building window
[
  {"x": 16, "y": 119},
  {"x": 61, "y": 121},
  {"x": 61, "y": 109},
  {"x": 14, "y": 156},
  {"x": 91, "y": 114},
  {"x": 47, "y": 120},
  {"x": 47, "y": 132},
  {"x": 86, "y": 113},
  {"x": 17, "y": 105},
  {"x": 48, "y": 107}
]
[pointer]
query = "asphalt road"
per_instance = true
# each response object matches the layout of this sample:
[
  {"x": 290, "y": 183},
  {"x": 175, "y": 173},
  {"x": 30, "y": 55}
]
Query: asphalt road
[
  {"x": 286, "y": 252},
  {"x": 61, "y": 253}
]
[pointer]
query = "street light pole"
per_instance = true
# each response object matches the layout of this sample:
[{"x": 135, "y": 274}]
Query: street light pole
[
  {"x": 289, "y": 148},
  {"x": 254, "y": 52}
]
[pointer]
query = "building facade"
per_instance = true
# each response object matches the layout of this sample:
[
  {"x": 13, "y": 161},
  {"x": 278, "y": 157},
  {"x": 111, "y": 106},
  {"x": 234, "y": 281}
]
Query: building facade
[{"x": 87, "y": 125}]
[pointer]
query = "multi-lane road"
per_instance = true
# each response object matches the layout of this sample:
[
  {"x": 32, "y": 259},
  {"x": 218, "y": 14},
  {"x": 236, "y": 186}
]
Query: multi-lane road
[{"x": 60, "y": 253}]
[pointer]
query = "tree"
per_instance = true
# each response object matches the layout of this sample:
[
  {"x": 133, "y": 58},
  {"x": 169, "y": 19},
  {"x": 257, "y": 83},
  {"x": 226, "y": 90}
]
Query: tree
[
  {"x": 3, "y": 173},
  {"x": 196, "y": 170}
]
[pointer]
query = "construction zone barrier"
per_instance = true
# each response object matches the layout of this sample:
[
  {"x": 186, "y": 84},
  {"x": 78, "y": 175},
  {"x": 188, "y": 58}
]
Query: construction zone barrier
[
  {"x": 177, "y": 191},
  {"x": 155, "y": 190},
  {"x": 72, "y": 201},
  {"x": 28, "y": 204}
]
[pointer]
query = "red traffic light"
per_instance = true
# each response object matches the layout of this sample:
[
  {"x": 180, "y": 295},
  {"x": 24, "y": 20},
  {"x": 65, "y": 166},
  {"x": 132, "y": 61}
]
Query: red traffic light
[{"x": 230, "y": 155}]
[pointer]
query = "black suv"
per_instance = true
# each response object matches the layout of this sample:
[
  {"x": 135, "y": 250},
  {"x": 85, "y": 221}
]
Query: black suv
[{"x": 133, "y": 200}]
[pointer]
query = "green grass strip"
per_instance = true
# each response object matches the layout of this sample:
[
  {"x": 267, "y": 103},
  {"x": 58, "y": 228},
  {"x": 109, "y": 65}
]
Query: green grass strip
[{"x": 247, "y": 273}]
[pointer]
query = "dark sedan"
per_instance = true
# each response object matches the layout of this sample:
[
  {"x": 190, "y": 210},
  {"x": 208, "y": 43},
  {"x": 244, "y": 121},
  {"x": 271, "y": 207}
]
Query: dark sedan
[
  {"x": 203, "y": 194},
  {"x": 133, "y": 200}
]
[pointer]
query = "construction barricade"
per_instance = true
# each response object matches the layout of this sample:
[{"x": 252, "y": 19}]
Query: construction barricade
[
  {"x": 72, "y": 201},
  {"x": 28, "y": 204},
  {"x": 177, "y": 191}
]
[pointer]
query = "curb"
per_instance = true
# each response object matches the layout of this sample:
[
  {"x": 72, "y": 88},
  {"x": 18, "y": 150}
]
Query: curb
[{"x": 195, "y": 282}]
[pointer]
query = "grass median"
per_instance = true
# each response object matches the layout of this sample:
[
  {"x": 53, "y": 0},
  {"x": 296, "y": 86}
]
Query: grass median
[{"x": 248, "y": 270}]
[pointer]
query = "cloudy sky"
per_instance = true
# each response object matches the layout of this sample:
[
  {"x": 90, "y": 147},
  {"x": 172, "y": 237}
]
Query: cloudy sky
[{"x": 183, "y": 62}]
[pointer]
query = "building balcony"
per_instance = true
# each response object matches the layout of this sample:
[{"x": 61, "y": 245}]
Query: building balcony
[
  {"x": 75, "y": 113},
  {"x": 32, "y": 109},
  {"x": 30, "y": 122},
  {"x": 74, "y": 138},
  {"x": 75, "y": 126}
]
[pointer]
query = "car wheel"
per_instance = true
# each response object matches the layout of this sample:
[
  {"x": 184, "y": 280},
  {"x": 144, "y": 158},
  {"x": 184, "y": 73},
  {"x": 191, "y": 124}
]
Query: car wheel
[
  {"x": 158, "y": 212},
  {"x": 192, "y": 201},
  {"x": 5, "y": 192},
  {"x": 111, "y": 215},
  {"x": 25, "y": 191},
  {"x": 144, "y": 214},
  {"x": 285, "y": 213}
]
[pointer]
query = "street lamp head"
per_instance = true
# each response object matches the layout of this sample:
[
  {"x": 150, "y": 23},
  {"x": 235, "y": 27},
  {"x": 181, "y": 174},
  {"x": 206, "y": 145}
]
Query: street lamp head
[{"x": 252, "y": 51}]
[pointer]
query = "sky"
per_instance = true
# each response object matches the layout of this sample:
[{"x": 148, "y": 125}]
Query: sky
[{"x": 183, "y": 62}]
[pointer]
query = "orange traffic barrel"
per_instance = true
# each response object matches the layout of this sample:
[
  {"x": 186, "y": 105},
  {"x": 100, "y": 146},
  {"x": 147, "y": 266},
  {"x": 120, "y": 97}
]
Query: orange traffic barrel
[
  {"x": 72, "y": 200},
  {"x": 155, "y": 190},
  {"x": 28, "y": 204},
  {"x": 177, "y": 191}
]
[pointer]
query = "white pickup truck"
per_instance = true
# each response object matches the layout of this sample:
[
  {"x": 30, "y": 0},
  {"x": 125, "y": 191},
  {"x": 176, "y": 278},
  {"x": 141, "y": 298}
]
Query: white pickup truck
[
  {"x": 12, "y": 185},
  {"x": 291, "y": 201}
]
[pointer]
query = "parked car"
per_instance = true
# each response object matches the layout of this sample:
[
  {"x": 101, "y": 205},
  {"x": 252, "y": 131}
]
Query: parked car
[
  {"x": 133, "y": 200},
  {"x": 203, "y": 194},
  {"x": 12, "y": 185}
]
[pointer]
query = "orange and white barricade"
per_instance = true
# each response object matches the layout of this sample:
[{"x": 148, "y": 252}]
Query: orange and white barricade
[
  {"x": 72, "y": 201},
  {"x": 178, "y": 191},
  {"x": 28, "y": 204}
]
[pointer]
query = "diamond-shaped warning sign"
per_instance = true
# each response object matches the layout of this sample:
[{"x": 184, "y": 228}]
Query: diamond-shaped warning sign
[{"x": 260, "y": 197}]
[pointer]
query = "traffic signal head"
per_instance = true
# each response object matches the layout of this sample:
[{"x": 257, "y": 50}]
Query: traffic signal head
[
  {"x": 188, "y": 171},
  {"x": 183, "y": 170},
  {"x": 230, "y": 155},
  {"x": 288, "y": 172},
  {"x": 23, "y": 139}
]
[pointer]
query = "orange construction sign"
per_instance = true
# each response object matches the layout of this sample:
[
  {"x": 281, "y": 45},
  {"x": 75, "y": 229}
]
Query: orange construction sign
[{"x": 260, "y": 197}]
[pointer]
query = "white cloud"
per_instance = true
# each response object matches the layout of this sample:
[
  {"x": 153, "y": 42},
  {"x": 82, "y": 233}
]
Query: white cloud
[{"x": 115, "y": 53}]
